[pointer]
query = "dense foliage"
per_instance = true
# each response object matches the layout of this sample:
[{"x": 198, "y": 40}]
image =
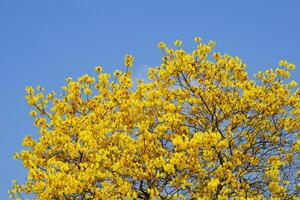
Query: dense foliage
[{"x": 200, "y": 128}]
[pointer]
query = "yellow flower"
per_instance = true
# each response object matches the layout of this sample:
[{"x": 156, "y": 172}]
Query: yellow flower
[
  {"x": 87, "y": 91},
  {"x": 28, "y": 141},
  {"x": 213, "y": 184},
  {"x": 69, "y": 79},
  {"x": 29, "y": 90},
  {"x": 178, "y": 43},
  {"x": 197, "y": 39},
  {"x": 161, "y": 45},
  {"x": 293, "y": 83},
  {"x": 211, "y": 43},
  {"x": 117, "y": 73},
  {"x": 216, "y": 56},
  {"x": 39, "y": 122},
  {"x": 291, "y": 66},
  {"x": 128, "y": 61},
  {"x": 39, "y": 88},
  {"x": 50, "y": 96},
  {"x": 32, "y": 113},
  {"x": 273, "y": 187},
  {"x": 98, "y": 69},
  {"x": 31, "y": 100},
  {"x": 283, "y": 63}
]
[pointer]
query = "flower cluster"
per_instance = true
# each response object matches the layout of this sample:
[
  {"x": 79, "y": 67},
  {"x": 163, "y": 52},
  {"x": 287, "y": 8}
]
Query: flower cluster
[{"x": 200, "y": 128}]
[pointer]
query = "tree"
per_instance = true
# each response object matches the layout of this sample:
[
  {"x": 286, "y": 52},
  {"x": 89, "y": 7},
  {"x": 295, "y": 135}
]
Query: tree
[{"x": 200, "y": 128}]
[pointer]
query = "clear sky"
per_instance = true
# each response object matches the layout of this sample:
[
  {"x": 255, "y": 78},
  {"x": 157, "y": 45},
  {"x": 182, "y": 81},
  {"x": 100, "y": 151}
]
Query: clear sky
[{"x": 43, "y": 42}]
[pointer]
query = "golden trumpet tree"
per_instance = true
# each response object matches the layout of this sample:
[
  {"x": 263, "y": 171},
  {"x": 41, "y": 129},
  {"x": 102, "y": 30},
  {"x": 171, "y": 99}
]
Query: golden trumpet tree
[{"x": 200, "y": 128}]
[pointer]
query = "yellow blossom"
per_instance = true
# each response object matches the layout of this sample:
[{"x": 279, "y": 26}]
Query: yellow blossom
[
  {"x": 213, "y": 184},
  {"x": 197, "y": 39},
  {"x": 128, "y": 60},
  {"x": 161, "y": 45},
  {"x": 32, "y": 113},
  {"x": 98, "y": 69},
  {"x": 178, "y": 43},
  {"x": 28, "y": 141}
]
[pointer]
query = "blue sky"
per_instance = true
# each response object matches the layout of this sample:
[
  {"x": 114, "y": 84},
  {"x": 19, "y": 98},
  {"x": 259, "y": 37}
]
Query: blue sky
[{"x": 43, "y": 42}]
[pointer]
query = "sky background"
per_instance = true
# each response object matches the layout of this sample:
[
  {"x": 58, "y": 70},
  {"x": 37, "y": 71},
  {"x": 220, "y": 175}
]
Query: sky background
[{"x": 43, "y": 42}]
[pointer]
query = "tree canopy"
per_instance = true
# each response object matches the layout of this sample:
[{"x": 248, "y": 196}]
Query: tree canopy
[{"x": 199, "y": 128}]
